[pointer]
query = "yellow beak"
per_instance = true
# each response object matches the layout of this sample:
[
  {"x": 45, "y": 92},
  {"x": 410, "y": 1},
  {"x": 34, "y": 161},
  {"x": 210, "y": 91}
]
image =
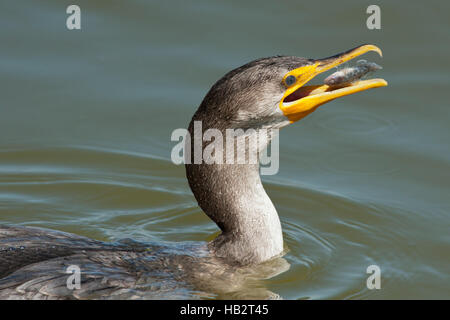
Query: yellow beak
[{"x": 311, "y": 97}]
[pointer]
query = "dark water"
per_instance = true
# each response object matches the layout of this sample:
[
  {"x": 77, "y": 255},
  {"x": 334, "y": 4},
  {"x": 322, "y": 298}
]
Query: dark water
[{"x": 86, "y": 118}]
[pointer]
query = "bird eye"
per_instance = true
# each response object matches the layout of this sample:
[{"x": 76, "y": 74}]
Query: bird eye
[{"x": 290, "y": 80}]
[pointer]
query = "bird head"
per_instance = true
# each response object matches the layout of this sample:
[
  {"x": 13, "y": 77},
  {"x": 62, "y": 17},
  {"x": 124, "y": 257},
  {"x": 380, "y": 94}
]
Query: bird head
[{"x": 273, "y": 92}]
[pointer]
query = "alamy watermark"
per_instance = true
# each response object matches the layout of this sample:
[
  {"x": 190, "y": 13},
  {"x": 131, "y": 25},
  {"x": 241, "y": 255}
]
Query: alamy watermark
[
  {"x": 74, "y": 280},
  {"x": 374, "y": 280},
  {"x": 73, "y": 21},
  {"x": 374, "y": 20},
  {"x": 234, "y": 146}
]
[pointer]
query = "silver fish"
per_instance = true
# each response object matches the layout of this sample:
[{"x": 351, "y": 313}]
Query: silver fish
[{"x": 351, "y": 74}]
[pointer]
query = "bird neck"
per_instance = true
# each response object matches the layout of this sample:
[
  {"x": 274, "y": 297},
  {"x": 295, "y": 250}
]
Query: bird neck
[{"x": 233, "y": 196}]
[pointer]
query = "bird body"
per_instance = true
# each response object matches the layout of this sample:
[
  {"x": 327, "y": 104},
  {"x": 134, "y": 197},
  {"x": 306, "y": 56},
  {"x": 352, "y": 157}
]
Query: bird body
[{"x": 264, "y": 95}]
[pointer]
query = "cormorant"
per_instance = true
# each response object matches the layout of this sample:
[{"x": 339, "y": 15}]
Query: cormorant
[{"x": 265, "y": 94}]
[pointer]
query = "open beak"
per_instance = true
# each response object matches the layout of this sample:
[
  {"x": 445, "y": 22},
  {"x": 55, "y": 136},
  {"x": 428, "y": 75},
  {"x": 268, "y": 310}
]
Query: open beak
[{"x": 299, "y": 100}]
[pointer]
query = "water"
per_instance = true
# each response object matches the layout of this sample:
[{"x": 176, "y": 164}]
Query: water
[{"x": 86, "y": 118}]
